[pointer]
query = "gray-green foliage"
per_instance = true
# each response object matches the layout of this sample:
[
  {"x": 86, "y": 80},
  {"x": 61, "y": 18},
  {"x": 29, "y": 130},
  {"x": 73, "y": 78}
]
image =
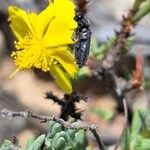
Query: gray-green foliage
[
  {"x": 137, "y": 137},
  {"x": 144, "y": 9},
  {"x": 66, "y": 139},
  {"x": 100, "y": 51},
  {"x": 56, "y": 139},
  {"x": 8, "y": 145}
]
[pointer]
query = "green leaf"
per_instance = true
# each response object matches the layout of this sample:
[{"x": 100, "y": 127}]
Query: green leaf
[
  {"x": 37, "y": 143},
  {"x": 63, "y": 139},
  {"x": 71, "y": 133},
  {"x": 136, "y": 125},
  {"x": 80, "y": 140},
  {"x": 103, "y": 113},
  {"x": 71, "y": 136},
  {"x": 145, "y": 145},
  {"x": 145, "y": 117},
  {"x": 7, "y": 143},
  {"x": 145, "y": 133},
  {"x": 137, "y": 3},
  {"x": 48, "y": 144},
  {"x": 94, "y": 46},
  {"x": 135, "y": 142},
  {"x": 29, "y": 142},
  {"x": 100, "y": 51},
  {"x": 60, "y": 134},
  {"x": 125, "y": 141},
  {"x": 60, "y": 143},
  {"x": 50, "y": 125},
  {"x": 55, "y": 129},
  {"x": 128, "y": 44},
  {"x": 144, "y": 10},
  {"x": 83, "y": 72}
]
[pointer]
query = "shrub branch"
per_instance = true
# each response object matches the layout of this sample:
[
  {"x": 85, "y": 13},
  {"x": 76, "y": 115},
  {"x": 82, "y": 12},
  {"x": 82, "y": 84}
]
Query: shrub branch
[{"x": 44, "y": 119}]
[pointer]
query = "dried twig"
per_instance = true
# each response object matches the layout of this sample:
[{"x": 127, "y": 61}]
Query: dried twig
[
  {"x": 43, "y": 118},
  {"x": 125, "y": 122},
  {"x": 105, "y": 70},
  {"x": 99, "y": 140},
  {"x": 82, "y": 5},
  {"x": 127, "y": 27},
  {"x": 106, "y": 66}
]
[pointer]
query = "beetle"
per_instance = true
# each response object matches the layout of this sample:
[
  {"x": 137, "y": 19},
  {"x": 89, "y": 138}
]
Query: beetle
[{"x": 83, "y": 35}]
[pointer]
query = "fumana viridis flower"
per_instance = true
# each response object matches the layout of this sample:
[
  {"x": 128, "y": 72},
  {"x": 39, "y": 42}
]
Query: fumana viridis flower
[{"x": 43, "y": 41}]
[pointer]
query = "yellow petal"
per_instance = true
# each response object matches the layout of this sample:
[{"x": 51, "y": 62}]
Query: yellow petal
[
  {"x": 61, "y": 79},
  {"x": 20, "y": 22},
  {"x": 44, "y": 19},
  {"x": 66, "y": 59},
  {"x": 62, "y": 14},
  {"x": 62, "y": 27}
]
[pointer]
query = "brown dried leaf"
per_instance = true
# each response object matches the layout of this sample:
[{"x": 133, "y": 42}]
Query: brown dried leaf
[{"x": 137, "y": 76}]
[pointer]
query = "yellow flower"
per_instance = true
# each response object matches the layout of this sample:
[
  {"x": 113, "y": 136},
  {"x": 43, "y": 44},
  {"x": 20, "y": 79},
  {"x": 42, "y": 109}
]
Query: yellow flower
[{"x": 43, "y": 39}]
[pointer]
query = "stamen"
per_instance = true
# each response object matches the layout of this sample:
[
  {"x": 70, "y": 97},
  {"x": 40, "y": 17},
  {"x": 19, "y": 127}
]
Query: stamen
[{"x": 10, "y": 77}]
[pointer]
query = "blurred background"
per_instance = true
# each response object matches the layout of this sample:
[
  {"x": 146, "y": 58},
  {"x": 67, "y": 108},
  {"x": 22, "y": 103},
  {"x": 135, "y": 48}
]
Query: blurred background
[{"x": 26, "y": 90}]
